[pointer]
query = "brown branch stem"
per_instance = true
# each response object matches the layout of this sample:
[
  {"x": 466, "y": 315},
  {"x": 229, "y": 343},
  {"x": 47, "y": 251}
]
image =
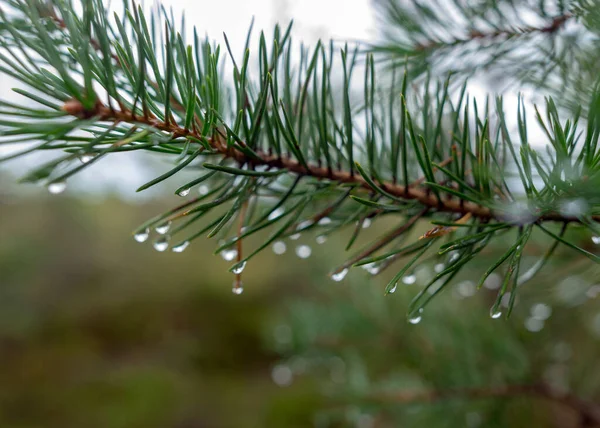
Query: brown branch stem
[
  {"x": 412, "y": 191},
  {"x": 389, "y": 237},
  {"x": 556, "y": 24},
  {"x": 423, "y": 196}
]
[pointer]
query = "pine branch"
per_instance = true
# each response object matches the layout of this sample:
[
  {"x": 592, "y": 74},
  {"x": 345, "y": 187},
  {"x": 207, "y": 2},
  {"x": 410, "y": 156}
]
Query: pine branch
[
  {"x": 587, "y": 411},
  {"x": 557, "y": 23},
  {"x": 219, "y": 145},
  {"x": 287, "y": 135}
]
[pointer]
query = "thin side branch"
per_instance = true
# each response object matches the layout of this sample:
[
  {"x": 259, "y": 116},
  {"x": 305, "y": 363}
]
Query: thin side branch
[{"x": 555, "y": 25}]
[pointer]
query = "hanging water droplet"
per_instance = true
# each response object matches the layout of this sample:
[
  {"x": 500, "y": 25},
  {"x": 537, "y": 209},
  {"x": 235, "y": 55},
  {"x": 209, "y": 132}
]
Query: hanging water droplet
[
  {"x": 321, "y": 239},
  {"x": 279, "y": 247},
  {"x": 366, "y": 223},
  {"x": 141, "y": 235},
  {"x": 416, "y": 317},
  {"x": 203, "y": 189},
  {"x": 373, "y": 268},
  {"x": 163, "y": 228},
  {"x": 229, "y": 255},
  {"x": 393, "y": 289},
  {"x": 409, "y": 279},
  {"x": 596, "y": 240},
  {"x": 239, "y": 268},
  {"x": 57, "y": 187},
  {"x": 324, "y": 221},
  {"x": 184, "y": 192},
  {"x": 495, "y": 313},
  {"x": 161, "y": 244},
  {"x": 275, "y": 213},
  {"x": 295, "y": 236},
  {"x": 86, "y": 157},
  {"x": 337, "y": 277},
  {"x": 238, "y": 287},
  {"x": 181, "y": 247},
  {"x": 303, "y": 251}
]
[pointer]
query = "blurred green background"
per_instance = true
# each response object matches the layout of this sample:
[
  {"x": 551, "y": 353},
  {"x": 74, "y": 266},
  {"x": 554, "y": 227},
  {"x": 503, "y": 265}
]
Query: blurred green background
[{"x": 98, "y": 330}]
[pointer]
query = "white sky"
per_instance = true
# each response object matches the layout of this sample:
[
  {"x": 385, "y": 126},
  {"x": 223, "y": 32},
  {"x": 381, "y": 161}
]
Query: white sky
[{"x": 313, "y": 19}]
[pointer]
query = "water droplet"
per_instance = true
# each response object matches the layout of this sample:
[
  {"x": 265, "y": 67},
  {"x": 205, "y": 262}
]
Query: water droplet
[
  {"x": 417, "y": 317},
  {"x": 163, "y": 228},
  {"x": 239, "y": 268},
  {"x": 57, "y": 187},
  {"x": 304, "y": 224},
  {"x": 295, "y": 236},
  {"x": 372, "y": 268},
  {"x": 453, "y": 257},
  {"x": 393, "y": 289},
  {"x": 142, "y": 235},
  {"x": 519, "y": 212},
  {"x": 181, "y": 247},
  {"x": 574, "y": 207},
  {"x": 337, "y": 277},
  {"x": 596, "y": 240},
  {"x": 86, "y": 157},
  {"x": 275, "y": 213},
  {"x": 229, "y": 255},
  {"x": 366, "y": 223},
  {"x": 321, "y": 239},
  {"x": 324, "y": 221},
  {"x": 279, "y": 247},
  {"x": 203, "y": 189},
  {"x": 495, "y": 313},
  {"x": 493, "y": 282},
  {"x": 534, "y": 325},
  {"x": 541, "y": 311},
  {"x": 409, "y": 279},
  {"x": 593, "y": 291},
  {"x": 184, "y": 192},
  {"x": 161, "y": 244},
  {"x": 238, "y": 287},
  {"x": 466, "y": 288},
  {"x": 303, "y": 251},
  {"x": 282, "y": 375},
  {"x": 439, "y": 267}
]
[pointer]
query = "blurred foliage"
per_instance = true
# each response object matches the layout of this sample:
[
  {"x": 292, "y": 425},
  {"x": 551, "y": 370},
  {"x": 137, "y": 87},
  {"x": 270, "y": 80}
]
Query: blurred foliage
[{"x": 97, "y": 331}]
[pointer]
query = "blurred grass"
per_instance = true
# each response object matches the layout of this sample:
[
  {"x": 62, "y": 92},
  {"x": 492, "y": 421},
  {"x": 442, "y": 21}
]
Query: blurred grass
[{"x": 97, "y": 330}]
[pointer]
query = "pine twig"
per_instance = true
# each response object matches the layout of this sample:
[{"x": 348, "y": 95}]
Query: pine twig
[{"x": 423, "y": 196}]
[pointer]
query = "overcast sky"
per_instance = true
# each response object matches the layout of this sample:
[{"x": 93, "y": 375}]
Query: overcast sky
[{"x": 313, "y": 19}]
